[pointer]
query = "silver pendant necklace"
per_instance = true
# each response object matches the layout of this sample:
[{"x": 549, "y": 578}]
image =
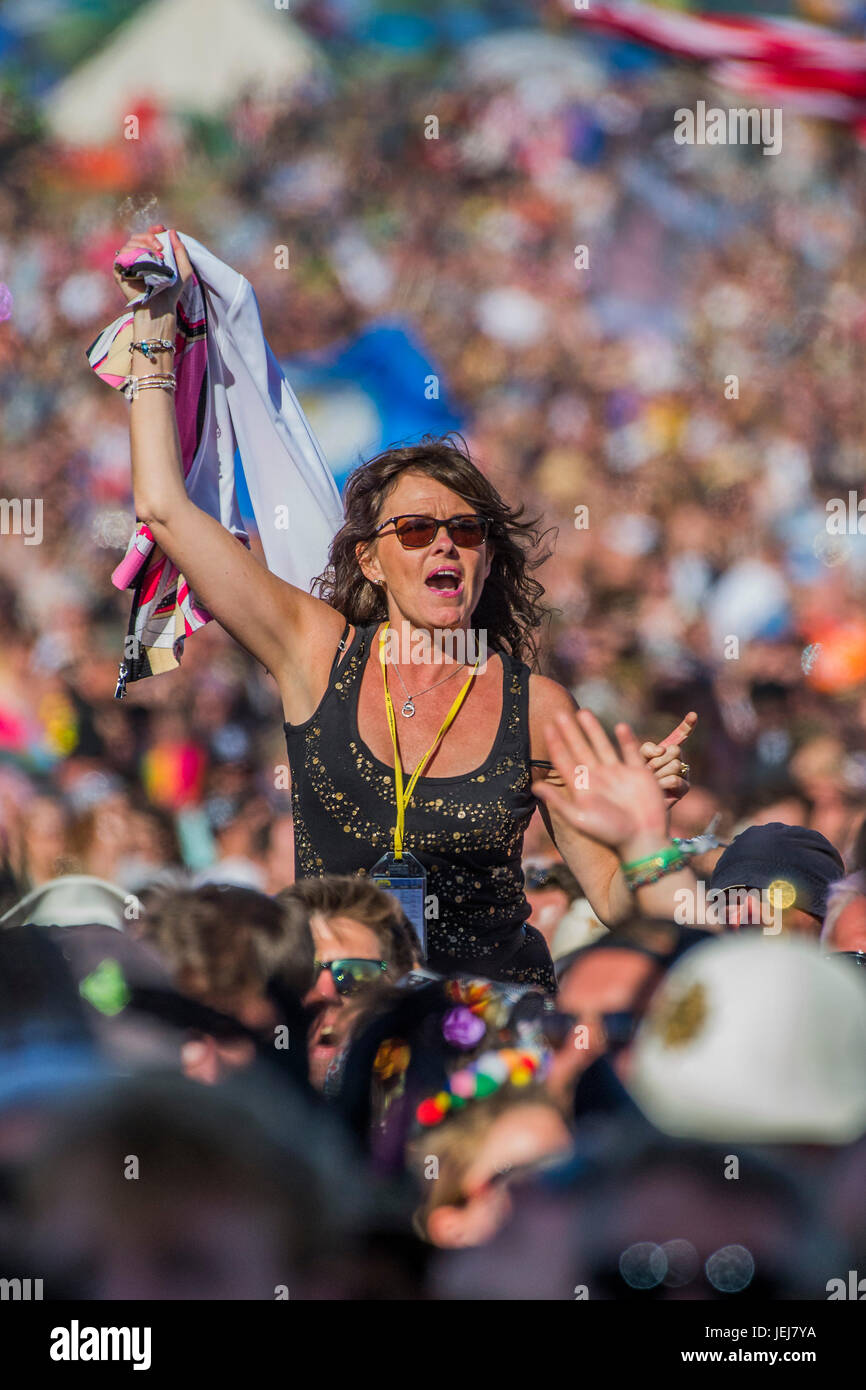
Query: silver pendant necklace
[{"x": 408, "y": 707}]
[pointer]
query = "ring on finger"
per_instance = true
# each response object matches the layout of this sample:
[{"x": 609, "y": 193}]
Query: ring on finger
[{"x": 684, "y": 769}]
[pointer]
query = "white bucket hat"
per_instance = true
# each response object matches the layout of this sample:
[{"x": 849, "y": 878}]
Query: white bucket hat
[
  {"x": 757, "y": 1041},
  {"x": 71, "y": 901}
]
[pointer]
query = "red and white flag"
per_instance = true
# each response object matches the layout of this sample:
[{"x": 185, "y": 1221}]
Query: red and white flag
[{"x": 798, "y": 64}]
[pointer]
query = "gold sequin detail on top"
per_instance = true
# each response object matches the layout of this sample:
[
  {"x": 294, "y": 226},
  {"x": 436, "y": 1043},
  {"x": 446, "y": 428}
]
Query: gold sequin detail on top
[{"x": 467, "y": 831}]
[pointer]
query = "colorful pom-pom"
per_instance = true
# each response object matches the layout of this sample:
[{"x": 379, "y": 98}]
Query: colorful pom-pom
[
  {"x": 429, "y": 1113},
  {"x": 462, "y": 1027},
  {"x": 495, "y": 1065},
  {"x": 484, "y": 1077},
  {"x": 463, "y": 1084}
]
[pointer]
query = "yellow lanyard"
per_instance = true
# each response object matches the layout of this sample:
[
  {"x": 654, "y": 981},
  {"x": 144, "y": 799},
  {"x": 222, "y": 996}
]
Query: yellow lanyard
[{"x": 403, "y": 798}]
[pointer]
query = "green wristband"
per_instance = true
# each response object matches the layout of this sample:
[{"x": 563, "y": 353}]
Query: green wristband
[{"x": 649, "y": 870}]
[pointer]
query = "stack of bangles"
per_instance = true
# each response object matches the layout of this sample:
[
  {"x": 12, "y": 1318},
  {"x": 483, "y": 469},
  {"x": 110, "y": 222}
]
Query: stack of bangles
[{"x": 160, "y": 381}]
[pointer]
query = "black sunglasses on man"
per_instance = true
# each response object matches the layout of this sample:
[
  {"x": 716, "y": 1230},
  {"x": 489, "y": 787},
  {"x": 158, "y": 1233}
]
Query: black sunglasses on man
[{"x": 350, "y": 974}]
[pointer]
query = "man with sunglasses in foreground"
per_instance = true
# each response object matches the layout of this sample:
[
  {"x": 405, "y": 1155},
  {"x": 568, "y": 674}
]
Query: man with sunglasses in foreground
[{"x": 360, "y": 939}]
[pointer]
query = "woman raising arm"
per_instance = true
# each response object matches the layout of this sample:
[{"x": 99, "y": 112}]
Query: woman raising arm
[{"x": 428, "y": 550}]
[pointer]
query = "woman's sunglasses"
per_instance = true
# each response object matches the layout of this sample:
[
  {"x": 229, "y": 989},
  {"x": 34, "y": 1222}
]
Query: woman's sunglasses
[
  {"x": 414, "y": 532},
  {"x": 350, "y": 975}
]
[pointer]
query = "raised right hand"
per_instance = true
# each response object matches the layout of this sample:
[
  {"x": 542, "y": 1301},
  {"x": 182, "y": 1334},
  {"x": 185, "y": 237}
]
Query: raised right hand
[{"x": 166, "y": 300}]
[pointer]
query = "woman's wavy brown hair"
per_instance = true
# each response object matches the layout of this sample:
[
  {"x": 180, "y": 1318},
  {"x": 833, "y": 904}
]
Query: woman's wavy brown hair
[{"x": 510, "y": 608}]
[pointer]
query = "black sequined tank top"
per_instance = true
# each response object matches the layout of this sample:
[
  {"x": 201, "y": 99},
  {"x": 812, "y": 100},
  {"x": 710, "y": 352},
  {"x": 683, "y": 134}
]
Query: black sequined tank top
[{"x": 466, "y": 830}]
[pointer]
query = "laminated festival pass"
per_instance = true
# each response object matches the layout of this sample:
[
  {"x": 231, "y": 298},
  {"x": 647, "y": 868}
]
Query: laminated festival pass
[{"x": 406, "y": 880}]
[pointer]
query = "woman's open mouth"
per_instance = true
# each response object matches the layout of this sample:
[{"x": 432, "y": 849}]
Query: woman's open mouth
[{"x": 445, "y": 581}]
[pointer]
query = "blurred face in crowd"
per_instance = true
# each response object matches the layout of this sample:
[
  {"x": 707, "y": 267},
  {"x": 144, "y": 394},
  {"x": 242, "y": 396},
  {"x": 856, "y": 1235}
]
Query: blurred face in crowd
[
  {"x": 749, "y": 907},
  {"x": 150, "y": 840},
  {"x": 817, "y": 766},
  {"x": 603, "y": 983},
  {"x": 335, "y": 938},
  {"x": 520, "y": 1137},
  {"x": 447, "y": 601},
  {"x": 605, "y": 991},
  {"x": 238, "y": 837},
  {"x": 45, "y": 838},
  {"x": 849, "y": 929},
  {"x": 103, "y": 835},
  {"x": 790, "y": 810},
  {"x": 208, "y": 1059}
]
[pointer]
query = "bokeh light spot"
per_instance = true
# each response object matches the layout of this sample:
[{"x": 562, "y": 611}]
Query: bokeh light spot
[
  {"x": 730, "y": 1270},
  {"x": 782, "y": 893},
  {"x": 682, "y": 1260},
  {"x": 643, "y": 1265}
]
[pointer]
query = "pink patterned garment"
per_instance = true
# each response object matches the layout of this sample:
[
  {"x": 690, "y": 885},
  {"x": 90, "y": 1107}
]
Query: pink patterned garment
[
  {"x": 164, "y": 611},
  {"x": 233, "y": 402}
]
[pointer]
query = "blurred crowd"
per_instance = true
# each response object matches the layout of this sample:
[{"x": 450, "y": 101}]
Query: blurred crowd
[
  {"x": 216, "y": 1093},
  {"x": 659, "y": 349},
  {"x": 679, "y": 411}
]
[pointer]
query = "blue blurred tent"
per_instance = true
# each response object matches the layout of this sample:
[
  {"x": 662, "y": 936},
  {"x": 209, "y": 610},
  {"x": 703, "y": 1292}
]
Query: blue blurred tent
[
  {"x": 9, "y": 40},
  {"x": 376, "y": 390}
]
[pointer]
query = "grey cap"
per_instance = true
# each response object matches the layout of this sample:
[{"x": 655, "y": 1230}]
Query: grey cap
[{"x": 71, "y": 901}]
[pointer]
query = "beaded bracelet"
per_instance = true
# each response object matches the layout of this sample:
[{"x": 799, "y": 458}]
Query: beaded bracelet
[
  {"x": 150, "y": 346},
  {"x": 641, "y": 872}
]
